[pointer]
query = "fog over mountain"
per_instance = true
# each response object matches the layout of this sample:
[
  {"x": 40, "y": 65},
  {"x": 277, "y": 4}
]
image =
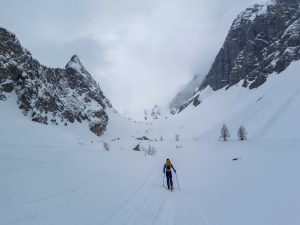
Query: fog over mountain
[{"x": 132, "y": 48}]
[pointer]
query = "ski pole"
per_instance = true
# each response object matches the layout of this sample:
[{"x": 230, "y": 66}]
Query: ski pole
[{"x": 177, "y": 181}]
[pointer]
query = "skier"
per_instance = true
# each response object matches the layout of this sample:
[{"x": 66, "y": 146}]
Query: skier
[{"x": 168, "y": 171}]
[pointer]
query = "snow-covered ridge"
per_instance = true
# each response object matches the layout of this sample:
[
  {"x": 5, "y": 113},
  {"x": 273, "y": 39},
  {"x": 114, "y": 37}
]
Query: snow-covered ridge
[
  {"x": 252, "y": 12},
  {"x": 50, "y": 95}
]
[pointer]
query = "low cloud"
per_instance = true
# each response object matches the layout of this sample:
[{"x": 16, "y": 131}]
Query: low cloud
[{"x": 141, "y": 52}]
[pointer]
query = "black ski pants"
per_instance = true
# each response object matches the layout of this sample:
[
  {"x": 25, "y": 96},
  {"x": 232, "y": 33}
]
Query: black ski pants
[{"x": 169, "y": 178}]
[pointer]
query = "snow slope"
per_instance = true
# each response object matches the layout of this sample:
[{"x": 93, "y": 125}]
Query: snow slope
[
  {"x": 270, "y": 111},
  {"x": 62, "y": 175}
]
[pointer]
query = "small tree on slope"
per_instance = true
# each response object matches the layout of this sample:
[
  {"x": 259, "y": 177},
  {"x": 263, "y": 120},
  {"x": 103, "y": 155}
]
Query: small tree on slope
[
  {"x": 106, "y": 146},
  {"x": 150, "y": 151},
  {"x": 224, "y": 133},
  {"x": 242, "y": 133}
]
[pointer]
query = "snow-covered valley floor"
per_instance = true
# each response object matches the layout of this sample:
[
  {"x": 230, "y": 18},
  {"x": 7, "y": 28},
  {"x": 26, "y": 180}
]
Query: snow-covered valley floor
[{"x": 84, "y": 184}]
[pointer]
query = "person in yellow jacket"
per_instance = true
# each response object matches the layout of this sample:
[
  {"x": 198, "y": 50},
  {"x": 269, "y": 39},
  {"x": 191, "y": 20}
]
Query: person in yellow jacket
[{"x": 168, "y": 171}]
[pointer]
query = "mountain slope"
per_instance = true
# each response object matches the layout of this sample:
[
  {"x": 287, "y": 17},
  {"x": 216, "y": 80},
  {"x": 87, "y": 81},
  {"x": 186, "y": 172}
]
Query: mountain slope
[
  {"x": 270, "y": 111},
  {"x": 263, "y": 39},
  {"x": 50, "y": 95}
]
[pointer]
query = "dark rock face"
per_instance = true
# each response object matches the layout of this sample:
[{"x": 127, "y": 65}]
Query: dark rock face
[
  {"x": 50, "y": 95},
  {"x": 263, "y": 39},
  {"x": 137, "y": 148}
]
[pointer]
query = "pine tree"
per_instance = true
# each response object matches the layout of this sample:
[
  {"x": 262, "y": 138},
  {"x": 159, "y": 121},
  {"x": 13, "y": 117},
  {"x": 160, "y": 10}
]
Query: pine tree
[
  {"x": 224, "y": 133},
  {"x": 242, "y": 133}
]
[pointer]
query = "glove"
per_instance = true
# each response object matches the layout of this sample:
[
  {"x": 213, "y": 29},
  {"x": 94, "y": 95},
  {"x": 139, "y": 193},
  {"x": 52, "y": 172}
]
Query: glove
[{"x": 175, "y": 171}]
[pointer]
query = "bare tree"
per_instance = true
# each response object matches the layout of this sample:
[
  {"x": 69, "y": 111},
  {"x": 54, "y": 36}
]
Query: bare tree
[
  {"x": 150, "y": 151},
  {"x": 224, "y": 133},
  {"x": 242, "y": 133},
  {"x": 106, "y": 146},
  {"x": 177, "y": 137}
]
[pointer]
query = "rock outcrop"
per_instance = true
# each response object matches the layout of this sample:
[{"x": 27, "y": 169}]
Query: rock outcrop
[
  {"x": 263, "y": 39},
  {"x": 50, "y": 95}
]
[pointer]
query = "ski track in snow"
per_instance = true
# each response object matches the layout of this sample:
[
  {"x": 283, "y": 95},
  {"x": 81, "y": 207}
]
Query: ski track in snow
[
  {"x": 154, "y": 204},
  {"x": 50, "y": 204},
  {"x": 69, "y": 194}
]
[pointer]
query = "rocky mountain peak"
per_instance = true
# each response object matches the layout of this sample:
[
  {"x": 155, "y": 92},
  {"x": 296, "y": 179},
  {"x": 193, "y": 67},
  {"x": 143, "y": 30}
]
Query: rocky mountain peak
[
  {"x": 263, "y": 39},
  {"x": 50, "y": 95},
  {"x": 74, "y": 62},
  {"x": 75, "y": 59}
]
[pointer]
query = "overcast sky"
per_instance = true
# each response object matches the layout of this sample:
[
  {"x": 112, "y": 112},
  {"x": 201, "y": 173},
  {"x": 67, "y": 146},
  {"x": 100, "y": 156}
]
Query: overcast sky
[{"x": 141, "y": 52}]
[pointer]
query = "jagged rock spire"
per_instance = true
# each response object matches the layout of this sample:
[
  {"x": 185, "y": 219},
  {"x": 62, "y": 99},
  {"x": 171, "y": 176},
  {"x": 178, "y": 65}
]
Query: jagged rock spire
[{"x": 51, "y": 95}]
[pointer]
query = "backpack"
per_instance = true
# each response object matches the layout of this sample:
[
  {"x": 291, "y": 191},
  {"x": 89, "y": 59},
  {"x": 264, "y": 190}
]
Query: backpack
[{"x": 168, "y": 165}]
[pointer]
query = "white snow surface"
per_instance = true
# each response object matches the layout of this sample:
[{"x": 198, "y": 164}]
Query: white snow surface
[{"x": 62, "y": 175}]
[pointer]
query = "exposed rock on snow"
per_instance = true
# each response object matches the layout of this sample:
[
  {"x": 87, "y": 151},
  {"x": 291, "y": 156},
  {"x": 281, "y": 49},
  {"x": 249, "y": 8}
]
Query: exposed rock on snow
[
  {"x": 50, "y": 95},
  {"x": 144, "y": 138},
  {"x": 137, "y": 148},
  {"x": 156, "y": 112},
  {"x": 263, "y": 39}
]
